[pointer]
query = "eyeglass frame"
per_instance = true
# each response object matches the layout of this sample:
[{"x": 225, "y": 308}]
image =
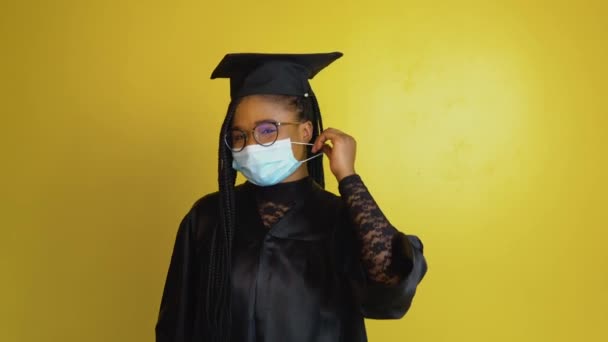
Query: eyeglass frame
[{"x": 252, "y": 132}]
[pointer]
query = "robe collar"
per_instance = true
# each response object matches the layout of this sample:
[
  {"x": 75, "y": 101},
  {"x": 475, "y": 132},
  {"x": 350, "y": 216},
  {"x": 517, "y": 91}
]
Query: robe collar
[
  {"x": 289, "y": 192},
  {"x": 301, "y": 222}
]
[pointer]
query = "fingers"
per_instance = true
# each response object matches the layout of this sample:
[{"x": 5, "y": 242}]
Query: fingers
[
  {"x": 327, "y": 150},
  {"x": 330, "y": 134},
  {"x": 319, "y": 142},
  {"x": 341, "y": 151}
]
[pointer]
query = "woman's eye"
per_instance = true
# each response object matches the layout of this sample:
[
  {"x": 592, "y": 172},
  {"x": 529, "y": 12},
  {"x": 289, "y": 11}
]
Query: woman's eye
[
  {"x": 237, "y": 137},
  {"x": 266, "y": 129}
]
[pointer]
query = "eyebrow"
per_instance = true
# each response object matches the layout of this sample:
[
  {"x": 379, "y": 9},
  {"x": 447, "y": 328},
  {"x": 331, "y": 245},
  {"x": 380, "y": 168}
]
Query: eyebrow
[
  {"x": 257, "y": 122},
  {"x": 264, "y": 121}
]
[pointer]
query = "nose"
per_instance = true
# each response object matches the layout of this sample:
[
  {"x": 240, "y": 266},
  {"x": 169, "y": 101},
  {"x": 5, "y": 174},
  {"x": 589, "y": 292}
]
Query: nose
[{"x": 250, "y": 138}]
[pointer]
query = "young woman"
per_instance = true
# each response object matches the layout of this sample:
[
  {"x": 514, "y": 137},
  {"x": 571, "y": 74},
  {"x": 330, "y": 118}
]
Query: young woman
[{"x": 278, "y": 258}]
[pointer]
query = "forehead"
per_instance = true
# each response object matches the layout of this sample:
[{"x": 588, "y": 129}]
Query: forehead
[{"x": 255, "y": 108}]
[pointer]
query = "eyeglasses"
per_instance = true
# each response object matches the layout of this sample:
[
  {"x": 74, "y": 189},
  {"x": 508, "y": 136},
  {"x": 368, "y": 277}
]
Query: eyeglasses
[{"x": 265, "y": 133}]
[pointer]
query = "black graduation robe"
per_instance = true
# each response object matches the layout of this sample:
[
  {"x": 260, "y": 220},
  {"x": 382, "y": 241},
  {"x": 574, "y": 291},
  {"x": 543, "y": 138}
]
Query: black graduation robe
[{"x": 299, "y": 281}]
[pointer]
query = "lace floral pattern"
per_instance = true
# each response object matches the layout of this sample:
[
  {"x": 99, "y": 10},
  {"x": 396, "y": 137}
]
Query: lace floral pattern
[
  {"x": 272, "y": 212},
  {"x": 373, "y": 229}
]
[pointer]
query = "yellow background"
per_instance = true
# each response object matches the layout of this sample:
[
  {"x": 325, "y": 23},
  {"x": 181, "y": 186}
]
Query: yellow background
[{"x": 481, "y": 128}]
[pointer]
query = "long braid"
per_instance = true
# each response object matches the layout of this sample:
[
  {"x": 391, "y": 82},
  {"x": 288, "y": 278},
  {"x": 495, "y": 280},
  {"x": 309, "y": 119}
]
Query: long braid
[
  {"x": 218, "y": 299},
  {"x": 315, "y": 166}
]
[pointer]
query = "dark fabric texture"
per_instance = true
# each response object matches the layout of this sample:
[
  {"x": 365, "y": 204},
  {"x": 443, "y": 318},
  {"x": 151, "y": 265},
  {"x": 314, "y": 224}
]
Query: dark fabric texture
[{"x": 303, "y": 266}]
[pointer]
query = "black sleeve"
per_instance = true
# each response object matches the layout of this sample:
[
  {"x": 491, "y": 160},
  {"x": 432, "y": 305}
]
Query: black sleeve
[
  {"x": 178, "y": 309},
  {"x": 382, "y": 301},
  {"x": 389, "y": 263}
]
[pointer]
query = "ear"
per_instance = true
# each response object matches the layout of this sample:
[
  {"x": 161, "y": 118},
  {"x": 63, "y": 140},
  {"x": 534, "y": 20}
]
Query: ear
[{"x": 306, "y": 131}]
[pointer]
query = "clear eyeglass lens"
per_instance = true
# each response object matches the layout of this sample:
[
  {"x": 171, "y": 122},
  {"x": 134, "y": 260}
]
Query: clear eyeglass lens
[
  {"x": 266, "y": 133},
  {"x": 236, "y": 139}
]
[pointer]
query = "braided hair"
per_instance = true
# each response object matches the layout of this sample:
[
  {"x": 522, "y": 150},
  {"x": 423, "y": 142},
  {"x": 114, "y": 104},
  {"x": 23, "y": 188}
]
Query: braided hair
[{"x": 217, "y": 299}]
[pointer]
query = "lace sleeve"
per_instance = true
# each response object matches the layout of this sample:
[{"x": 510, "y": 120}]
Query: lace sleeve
[{"x": 375, "y": 233}]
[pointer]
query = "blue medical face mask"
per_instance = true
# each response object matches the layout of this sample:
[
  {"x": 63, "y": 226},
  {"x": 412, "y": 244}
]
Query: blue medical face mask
[{"x": 268, "y": 165}]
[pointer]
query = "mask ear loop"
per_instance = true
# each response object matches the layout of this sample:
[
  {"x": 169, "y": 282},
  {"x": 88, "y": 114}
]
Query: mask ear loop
[{"x": 308, "y": 144}]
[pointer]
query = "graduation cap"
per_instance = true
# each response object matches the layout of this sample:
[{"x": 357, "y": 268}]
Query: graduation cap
[{"x": 272, "y": 74}]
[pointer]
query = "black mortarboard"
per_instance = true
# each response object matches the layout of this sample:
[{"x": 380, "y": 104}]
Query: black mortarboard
[{"x": 267, "y": 73}]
